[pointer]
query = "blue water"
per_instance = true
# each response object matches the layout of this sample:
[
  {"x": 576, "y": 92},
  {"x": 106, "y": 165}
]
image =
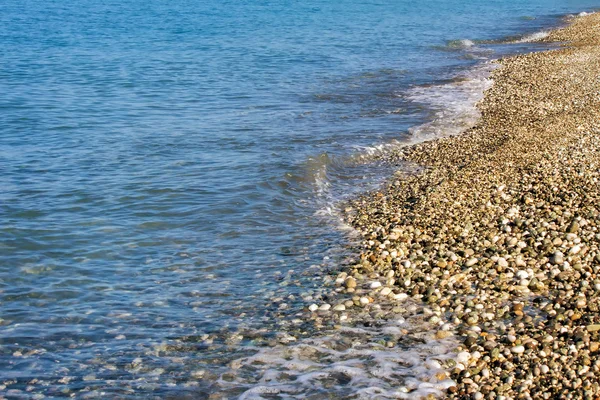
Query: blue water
[{"x": 168, "y": 169}]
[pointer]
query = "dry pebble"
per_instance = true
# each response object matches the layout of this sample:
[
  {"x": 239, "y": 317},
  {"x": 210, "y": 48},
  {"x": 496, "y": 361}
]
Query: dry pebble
[{"x": 498, "y": 234}]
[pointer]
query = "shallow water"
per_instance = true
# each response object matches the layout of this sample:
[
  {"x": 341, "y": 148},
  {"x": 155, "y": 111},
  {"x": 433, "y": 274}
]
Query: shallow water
[{"x": 171, "y": 171}]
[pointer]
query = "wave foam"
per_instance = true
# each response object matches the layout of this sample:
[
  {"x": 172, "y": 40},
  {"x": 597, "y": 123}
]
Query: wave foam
[
  {"x": 454, "y": 104},
  {"x": 453, "y": 108},
  {"x": 534, "y": 37},
  {"x": 350, "y": 362},
  {"x": 461, "y": 44}
]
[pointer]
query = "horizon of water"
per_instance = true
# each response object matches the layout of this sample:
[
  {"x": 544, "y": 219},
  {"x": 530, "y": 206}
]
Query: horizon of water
[{"x": 171, "y": 173}]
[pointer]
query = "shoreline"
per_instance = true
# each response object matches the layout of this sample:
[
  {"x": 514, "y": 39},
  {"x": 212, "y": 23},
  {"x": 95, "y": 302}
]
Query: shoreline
[{"x": 499, "y": 234}]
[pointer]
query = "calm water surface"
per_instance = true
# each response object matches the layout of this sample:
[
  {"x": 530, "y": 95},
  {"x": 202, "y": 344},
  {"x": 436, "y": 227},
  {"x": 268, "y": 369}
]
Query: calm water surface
[{"x": 169, "y": 171}]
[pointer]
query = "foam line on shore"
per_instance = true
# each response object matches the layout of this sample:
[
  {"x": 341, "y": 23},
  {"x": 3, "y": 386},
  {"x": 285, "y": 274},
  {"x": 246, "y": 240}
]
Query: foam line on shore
[{"x": 453, "y": 108}]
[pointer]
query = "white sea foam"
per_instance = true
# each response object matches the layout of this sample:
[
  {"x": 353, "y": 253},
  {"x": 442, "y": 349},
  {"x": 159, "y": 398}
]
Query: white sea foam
[
  {"x": 534, "y": 37},
  {"x": 453, "y": 111},
  {"x": 461, "y": 44},
  {"x": 348, "y": 363},
  {"x": 454, "y": 104}
]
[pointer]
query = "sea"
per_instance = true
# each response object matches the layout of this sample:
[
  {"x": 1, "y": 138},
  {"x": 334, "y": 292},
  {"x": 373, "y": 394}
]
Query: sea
[{"x": 172, "y": 175}]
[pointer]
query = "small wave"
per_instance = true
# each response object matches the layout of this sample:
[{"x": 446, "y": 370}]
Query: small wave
[
  {"x": 460, "y": 44},
  {"x": 453, "y": 104},
  {"x": 534, "y": 37},
  {"x": 465, "y": 45},
  {"x": 453, "y": 111}
]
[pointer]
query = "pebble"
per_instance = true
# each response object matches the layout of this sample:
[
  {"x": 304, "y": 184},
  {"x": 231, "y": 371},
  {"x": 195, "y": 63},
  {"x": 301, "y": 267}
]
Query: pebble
[
  {"x": 463, "y": 357},
  {"x": 350, "y": 283},
  {"x": 593, "y": 328},
  {"x": 401, "y": 296},
  {"x": 573, "y": 228},
  {"x": 518, "y": 349},
  {"x": 443, "y": 334},
  {"x": 522, "y": 274},
  {"x": 557, "y": 258},
  {"x": 471, "y": 262}
]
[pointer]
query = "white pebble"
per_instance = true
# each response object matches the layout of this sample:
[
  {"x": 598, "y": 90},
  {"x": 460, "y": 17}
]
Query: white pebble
[
  {"x": 463, "y": 357},
  {"x": 313, "y": 307},
  {"x": 446, "y": 327},
  {"x": 375, "y": 285},
  {"x": 524, "y": 282},
  {"x": 401, "y": 296},
  {"x": 471, "y": 262},
  {"x": 522, "y": 274},
  {"x": 518, "y": 349},
  {"x": 584, "y": 370},
  {"x": 548, "y": 339}
]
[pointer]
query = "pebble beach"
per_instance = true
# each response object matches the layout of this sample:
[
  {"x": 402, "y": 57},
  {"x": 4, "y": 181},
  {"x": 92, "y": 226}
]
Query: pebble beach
[
  {"x": 299, "y": 200},
  {"x": 495, "y": 232}
]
